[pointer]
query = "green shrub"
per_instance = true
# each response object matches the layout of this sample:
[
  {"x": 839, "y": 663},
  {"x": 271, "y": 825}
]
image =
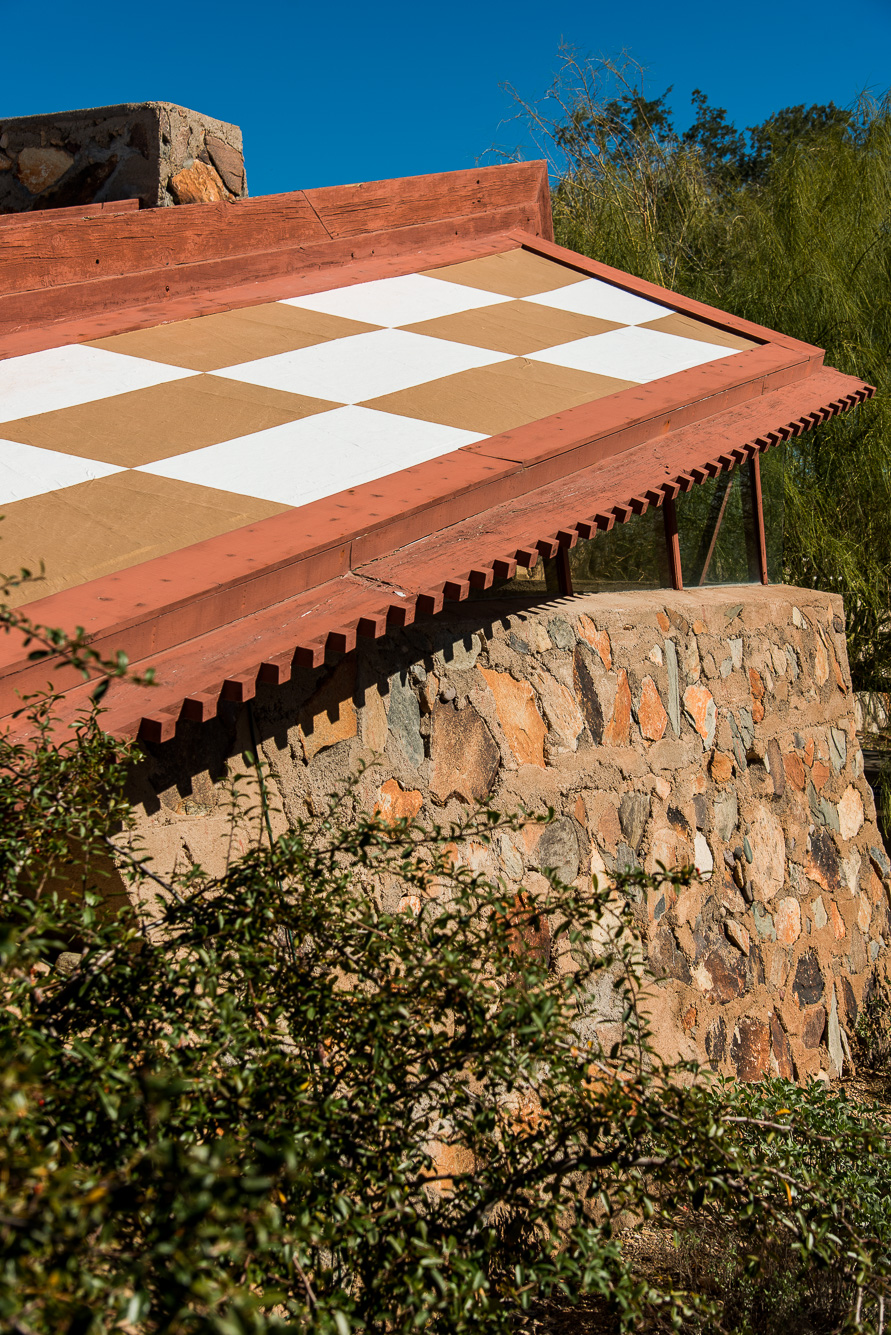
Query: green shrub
[{"x": 350, "y": 1085}]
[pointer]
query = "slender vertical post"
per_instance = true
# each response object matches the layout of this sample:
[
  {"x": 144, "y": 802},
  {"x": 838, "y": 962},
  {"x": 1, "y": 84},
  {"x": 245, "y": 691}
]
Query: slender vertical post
[
  {"x": 672, "y": 542},
  {"x": 564, "y": 572},
  {"x": 720, "y": 498},
  {"x": 758, "y": 516}
]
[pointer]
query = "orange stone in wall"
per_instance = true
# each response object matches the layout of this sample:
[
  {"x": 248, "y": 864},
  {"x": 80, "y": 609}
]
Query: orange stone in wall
[
  {"x": 598, "y": 639},
  {"x": 617, "y": 731},
  {"x": 794, "y": 770},
  {"x": 398, "y": 803},
  {"x": 651, "y": 713},
  {"x": 524, "y": 728},
  {"x": 198, "y": 184}
]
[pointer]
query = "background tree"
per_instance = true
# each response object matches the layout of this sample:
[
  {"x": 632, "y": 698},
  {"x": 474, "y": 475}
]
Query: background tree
[{"x": 786, "y": 224}]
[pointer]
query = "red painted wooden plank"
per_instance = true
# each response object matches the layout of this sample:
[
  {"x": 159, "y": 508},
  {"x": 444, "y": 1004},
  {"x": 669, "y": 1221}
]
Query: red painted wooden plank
[
  {"x": 564, "y": 573},
  {"x": 172, "y": 598},
  {"x": 228, "y": 661},
  {"x": 625, "y": 419},
  {"x": 209, "y": 594},
  {"x": 84, "y": 325},
  {"x": 46, "y": 255},
  {"x": 580, "y": 494},
  {"x": 351, "y": 210},
  {"x": 60, "y": 218},
  {"x": 230, "y": 576},
  {"x": 48, "y": 305}
]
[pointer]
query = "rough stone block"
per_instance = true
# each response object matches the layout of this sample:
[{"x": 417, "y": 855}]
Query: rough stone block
[{"x": 155, "y": 152}]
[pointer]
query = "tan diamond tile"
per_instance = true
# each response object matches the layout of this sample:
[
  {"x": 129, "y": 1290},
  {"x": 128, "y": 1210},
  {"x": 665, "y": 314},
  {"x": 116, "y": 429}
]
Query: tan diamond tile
[
  {"x": 687, "y": 326},
  {"x": 210, "y": 342},
  {"x": 517, "y": 327},
  {"x": 493, "y": 399},
  {"x": 515, "y": 273},
  {"x": 164, "y": 420},
  {"x": 98, "y": 527}
]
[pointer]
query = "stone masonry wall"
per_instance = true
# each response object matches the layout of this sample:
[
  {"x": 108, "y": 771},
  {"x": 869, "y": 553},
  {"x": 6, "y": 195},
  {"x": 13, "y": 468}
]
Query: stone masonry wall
[
  {"x": 152, "y": 151},
  {"x": 713, "y": 727}
]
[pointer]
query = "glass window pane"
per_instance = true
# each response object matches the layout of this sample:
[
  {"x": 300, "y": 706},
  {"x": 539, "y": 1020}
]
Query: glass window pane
[
  {"x": 716, "y": 531},
  {"x": 630, "y": 556}
]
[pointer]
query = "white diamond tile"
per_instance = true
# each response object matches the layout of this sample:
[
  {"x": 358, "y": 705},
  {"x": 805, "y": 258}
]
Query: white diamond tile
[
  {"x": 27, "y": 471},
  {"x": 603, "y": 301},
  {"x": 363, "y": 366},
  {"x": 398, "y": 301},
  {"x": 42, "y": 382},
  {"x": 632, "y": 354},
  {"x": 307, "y": 460}
]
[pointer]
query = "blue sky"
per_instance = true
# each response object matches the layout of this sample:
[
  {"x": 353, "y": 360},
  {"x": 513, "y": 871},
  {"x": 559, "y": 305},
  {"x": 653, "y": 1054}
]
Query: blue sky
[{"x": 336, "y": 92}]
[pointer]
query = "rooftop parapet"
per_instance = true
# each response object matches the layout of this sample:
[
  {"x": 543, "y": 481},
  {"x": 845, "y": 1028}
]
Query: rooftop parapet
[{"x": 156, "y": 152}]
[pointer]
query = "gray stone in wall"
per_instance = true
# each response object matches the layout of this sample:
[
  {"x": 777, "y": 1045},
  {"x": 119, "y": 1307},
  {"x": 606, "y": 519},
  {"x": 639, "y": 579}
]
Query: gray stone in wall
[
  {"x": 156, "y": 152},
  {"x": 833, "y": 1037},
  {"x": 823, "y": 811},
  {"x": 736, "y": 741},
  {"x": 726, "y": 815},
  {"x": 634, "y": 811},
  {"x": 460, "y": 654},
  {"x": 674, "y": 690},
  {"x": 880, "y": 858},
  {"x": 746, "y": 729},
  {"x": 585, "y": 676},
  {"x": 558, "y": 849},
  {"x": 404, "y": 718},
  {"x": 838, "y": 748},
  {"x": 561, "y": 633},
  {"x": 764, "y": 923}
]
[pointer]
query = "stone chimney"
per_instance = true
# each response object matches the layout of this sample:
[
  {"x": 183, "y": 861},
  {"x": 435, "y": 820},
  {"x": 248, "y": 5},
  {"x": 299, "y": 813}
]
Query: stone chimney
[{"x": 155, "y": 152}]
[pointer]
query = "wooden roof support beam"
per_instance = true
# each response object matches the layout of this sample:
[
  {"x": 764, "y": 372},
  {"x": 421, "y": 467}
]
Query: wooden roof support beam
[
  {"x": 758, "y": 509},
  {"x": 481, "y": 579},
  {"x": 372, "y": 626},
  {"x": 238, "y": 690},
  {"x": 310, "y": 654}
]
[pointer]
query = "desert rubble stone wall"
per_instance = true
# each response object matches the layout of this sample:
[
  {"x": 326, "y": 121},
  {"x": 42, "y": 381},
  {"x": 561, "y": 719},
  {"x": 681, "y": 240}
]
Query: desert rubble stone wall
[
  {"x": 713, "y": 727},
  {"x": 155, "y": 152}
]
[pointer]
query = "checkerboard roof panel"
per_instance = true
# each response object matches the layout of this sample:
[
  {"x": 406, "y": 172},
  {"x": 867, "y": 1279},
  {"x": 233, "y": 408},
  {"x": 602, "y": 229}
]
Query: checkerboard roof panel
[{"x": 283, "y": 403}]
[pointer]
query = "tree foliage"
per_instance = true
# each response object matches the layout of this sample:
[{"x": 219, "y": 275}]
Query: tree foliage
[{"x": 786, "y": 224}]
